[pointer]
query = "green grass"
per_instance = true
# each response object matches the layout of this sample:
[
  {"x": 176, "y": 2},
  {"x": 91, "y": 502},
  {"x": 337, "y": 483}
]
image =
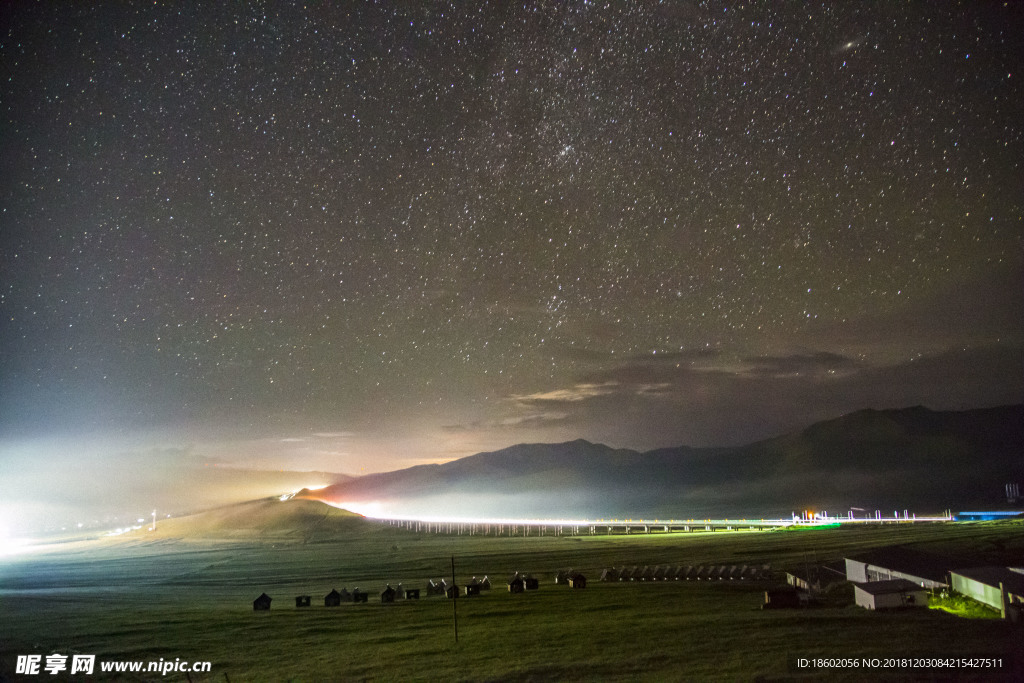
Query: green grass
[
  {"x": 962, "y": 606},
  {"x": 164, "y": 598}
]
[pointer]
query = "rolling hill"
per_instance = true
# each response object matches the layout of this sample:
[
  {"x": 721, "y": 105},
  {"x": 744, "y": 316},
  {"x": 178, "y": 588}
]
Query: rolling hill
[
  {"x": 913, "y": 458},
  {"x": 263, "y": 519}
]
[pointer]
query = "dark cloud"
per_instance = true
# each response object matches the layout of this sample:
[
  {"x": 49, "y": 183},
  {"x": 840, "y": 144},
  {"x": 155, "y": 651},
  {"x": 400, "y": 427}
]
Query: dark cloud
[
  {"x": 523, "y": 416},
  {"x": 821, "y": 363},
  {"x": 764, "y": 396},
  {"x": 455, "y": 429},
  {"x": 688, "y": 357}
]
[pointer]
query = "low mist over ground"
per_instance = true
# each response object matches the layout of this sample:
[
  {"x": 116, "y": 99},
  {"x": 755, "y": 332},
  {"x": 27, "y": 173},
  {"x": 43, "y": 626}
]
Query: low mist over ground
[{"x": 51, "y": 490}]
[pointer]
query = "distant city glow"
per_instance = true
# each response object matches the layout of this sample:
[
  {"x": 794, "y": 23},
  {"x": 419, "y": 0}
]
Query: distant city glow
[
  {"x": 314, "y": 487},
  {"x": 11, "y": 544}
]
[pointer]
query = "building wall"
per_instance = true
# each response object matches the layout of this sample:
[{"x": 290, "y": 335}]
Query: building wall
[
  {"x": 865, "y": 600},
  {"x": 879, "y": 573},
  {"x": 920, "y": 598},
  {"x": 919, "y": 580},
  {"x": 856, "y": 571},
  {"x": 797, "y": 582},
  {"x": 988, "y": 595},
  {"x": 862, "y": 572},
  {"x": 875, "y": 573},
  {"x": 890, "y": 600}
]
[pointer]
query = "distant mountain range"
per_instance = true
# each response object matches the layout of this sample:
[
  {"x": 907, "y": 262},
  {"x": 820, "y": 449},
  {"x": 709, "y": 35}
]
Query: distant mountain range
[{"x": 913, "y": 458}]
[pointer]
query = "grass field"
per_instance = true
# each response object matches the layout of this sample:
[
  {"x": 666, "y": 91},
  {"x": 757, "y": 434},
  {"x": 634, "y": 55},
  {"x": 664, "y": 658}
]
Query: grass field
[{"x": 157, "y": 596}]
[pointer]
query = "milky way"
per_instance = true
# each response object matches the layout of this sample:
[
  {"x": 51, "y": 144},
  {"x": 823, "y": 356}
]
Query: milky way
[{"x": 357, "y": 235}]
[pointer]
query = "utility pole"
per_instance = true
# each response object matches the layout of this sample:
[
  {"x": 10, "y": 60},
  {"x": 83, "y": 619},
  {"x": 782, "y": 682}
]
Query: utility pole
[{"x": 455, "y": 600}]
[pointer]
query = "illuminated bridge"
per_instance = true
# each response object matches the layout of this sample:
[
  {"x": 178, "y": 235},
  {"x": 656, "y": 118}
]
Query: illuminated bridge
[{"x": 603, "y": 527}]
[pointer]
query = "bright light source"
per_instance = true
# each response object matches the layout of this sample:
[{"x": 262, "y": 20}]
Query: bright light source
[
  {"x": 12, "y": 546},
  {"x": 377, "y": 510},
  {"x": 314, "y": 487},
  {"x": 9, "y": 544}
]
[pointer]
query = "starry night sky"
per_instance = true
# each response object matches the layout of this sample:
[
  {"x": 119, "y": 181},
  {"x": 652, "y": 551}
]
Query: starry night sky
[{"x": 355, "y": 236}]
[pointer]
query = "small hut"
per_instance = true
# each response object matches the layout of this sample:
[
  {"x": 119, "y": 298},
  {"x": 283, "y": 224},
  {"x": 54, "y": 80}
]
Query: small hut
[
  {"x": 609, "y": 574},
  {"x": 577, "y": 580},
  {"x": 890, "y": 594},
  {"x": 517, "y": 584},
  {"x": 451, "y": 592},
  {"x": 399, "y": 592},
  {"x": 562, "y": 576},
  {"x": 412, "y": 594},
  {"x": 345, "y": 595},
  {"x": 261, "y": 603},
  {"x": 472, "y": 589},
  {"x": 332, "y": 599},
  {"x": 531, "y": 583},
  {"x": 781, "y": 598},
  {"x": 360, "y": 596},
  {"x": 388, "y": 595},
  {"x": 485, "y": 584},
  {"x": 302, "y": 600}
]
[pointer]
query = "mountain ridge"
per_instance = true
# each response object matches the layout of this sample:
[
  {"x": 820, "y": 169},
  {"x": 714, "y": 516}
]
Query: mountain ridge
[{"x": 869, "y": 458}]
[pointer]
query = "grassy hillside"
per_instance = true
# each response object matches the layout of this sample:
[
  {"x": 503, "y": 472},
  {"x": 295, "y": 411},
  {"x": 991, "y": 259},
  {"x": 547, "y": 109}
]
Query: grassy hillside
[
  {"x": 190, "y": 597},
  {"x": 297, "y": 519}
]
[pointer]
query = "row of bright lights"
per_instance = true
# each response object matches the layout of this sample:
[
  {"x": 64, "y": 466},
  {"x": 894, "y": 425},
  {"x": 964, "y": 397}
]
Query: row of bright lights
[
  {"x": 376, "y": 510},
  {"x": 11, "y": 545},
  {"x": 15, "y": 545}
]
